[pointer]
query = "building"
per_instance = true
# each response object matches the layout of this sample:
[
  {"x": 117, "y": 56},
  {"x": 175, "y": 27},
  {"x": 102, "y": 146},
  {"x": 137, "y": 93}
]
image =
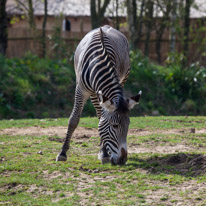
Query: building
[
  {"x": 75, "y": 13},
  {"x": 73, "y": 17}
]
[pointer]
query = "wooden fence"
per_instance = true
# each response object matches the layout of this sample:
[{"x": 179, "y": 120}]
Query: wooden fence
[{"x": 22, "y": 41}]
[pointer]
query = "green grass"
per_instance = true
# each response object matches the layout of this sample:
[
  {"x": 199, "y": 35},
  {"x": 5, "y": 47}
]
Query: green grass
[
  {"x": 162, "y": 122},
  {"x": 31, "y": 177}
]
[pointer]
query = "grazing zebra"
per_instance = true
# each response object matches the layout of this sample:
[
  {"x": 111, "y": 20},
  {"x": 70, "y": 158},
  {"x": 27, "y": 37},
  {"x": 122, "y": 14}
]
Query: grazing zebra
[{"x": 102, "y": 66}]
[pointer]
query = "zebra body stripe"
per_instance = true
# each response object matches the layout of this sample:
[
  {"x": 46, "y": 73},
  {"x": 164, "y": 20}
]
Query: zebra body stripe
[{"x": 102, "y": 67}]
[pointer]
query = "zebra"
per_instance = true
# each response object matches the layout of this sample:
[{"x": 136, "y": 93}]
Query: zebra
[{"x": 102, "y": 67}]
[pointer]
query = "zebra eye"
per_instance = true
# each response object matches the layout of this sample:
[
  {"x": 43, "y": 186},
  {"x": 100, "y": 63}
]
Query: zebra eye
[{"x": 109, "y": 153}]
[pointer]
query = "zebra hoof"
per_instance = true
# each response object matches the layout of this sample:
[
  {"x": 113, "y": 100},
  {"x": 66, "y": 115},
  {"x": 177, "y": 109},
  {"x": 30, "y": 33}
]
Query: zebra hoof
[{"x": 61, "y": 158}]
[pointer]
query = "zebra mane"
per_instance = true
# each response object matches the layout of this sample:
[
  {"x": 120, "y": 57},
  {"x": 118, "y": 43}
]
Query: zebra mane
[
  {"x": 101, "y": 36},
  {"x": 122, "y": 105},
  {"x": 102, "y": 41}
]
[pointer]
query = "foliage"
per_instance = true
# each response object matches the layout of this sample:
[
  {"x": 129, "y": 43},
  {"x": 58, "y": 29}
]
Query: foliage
[
  {"x": 34, "y": 87},
  {"x": 168, "y": 89}
]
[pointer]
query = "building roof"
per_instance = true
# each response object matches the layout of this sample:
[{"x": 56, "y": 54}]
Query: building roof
[
  {"x": 64, "y": 7},
  {"x": 82, "y": 8},
  {"x": 198, "y": 9}
]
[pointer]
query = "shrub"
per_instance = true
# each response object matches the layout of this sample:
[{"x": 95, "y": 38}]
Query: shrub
[
  {"x": 168, "y": 90},
  {"x": 33, "y": 87}
]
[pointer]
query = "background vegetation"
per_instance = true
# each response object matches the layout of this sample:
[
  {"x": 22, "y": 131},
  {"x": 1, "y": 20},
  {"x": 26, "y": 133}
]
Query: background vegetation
[
  {"x": 34, "y": 87},
  {"x": 43, "y": 86}
]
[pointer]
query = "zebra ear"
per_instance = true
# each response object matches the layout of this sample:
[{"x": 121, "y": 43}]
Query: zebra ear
[
  {"x": 106, "y": 103},
  {"x": 134, "y": 100}
]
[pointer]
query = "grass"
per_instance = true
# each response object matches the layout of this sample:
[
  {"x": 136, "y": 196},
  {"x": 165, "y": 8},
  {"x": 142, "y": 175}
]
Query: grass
[
  {"x": 162, "y": 122},
  {"x": 30, "y": 175}
]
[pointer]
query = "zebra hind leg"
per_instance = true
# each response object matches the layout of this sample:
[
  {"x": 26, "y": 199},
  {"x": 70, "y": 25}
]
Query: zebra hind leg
[
  {"x": 79, "y": 102},
  {"x": 95, "y": 102}
]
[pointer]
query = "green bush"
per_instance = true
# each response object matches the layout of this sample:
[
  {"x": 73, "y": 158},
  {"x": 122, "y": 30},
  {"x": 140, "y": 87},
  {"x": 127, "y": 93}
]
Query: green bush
[
  {"x": 168, "y": 90},
  {"x": 34, "y": 87}
]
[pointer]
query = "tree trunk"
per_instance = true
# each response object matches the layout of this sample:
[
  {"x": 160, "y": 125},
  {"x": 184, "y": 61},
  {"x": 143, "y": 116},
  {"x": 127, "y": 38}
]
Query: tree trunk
[
  {"x": 132, "y": 21},
  {"x": 3, "y": 27},
  {"x": 186, "y": 30},
  {"x": 117, "y": 15},
  {"x": 158, "y": 44},
  {"x": 140, "y": 21},
  {"x": 135, "y": 22},
  {"x": 44, "y": 29},
  {"x": 159, "y": 33},
  {"x": 97, "y": 15},
  {"x": 149, "y": 18},
  {"x": 93, "y": 13},
  {"x": 31, "y": 15},
  {"x": 173, "y": 26}
]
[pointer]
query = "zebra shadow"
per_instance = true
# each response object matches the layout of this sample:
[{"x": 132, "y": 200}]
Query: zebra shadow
[{"x": 188, "y": 165}]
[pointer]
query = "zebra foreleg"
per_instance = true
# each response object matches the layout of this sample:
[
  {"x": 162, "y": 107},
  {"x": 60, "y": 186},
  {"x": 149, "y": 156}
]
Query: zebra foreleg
[{"x": 80, "y": 99}]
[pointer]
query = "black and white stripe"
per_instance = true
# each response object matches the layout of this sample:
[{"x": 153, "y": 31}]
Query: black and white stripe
[
  {"x": 100, "y": 68},
  {"x": 98, "y": 71}
]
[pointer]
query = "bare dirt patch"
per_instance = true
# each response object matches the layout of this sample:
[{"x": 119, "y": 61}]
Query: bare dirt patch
[
  {"x": 142, "y": 132},
  {"x": 14, "y": 188},
  {"x": 189, "y": 165},
  {"x": 87, "y": 132},
  {"x": 58, "y": 133},
  {"x": 36, "y": 190},
  {"x": 187, "y": 193},
  {"x": 49, "y": 131},
  {"x": 193, "y": 164},
  {"x": 166, "y": 149}
]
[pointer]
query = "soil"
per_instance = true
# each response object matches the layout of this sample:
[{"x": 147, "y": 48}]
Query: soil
[
  {"x": 87, "y": 132},
  {"x": 50, "y": 131},
  {"x": 81, "y": 133},
  {"x": 171, "y": 159},
  {"x": 184, "y": 164}
]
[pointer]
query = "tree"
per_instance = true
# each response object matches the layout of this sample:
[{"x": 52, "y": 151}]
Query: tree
[
  {"x": 44, "y": 29},
  {"x": 188, "y": 4},
  {"x": 97, "y": 12},
  {"x": 149, "y": 17},
  {"x": 31, "y": 15},
  {"x": 135, "y": 22},
  {"x": 173, "y": 26},
  {"x": 140, "y": 21},
  {"x": 162, "y": 24},
  {"x": 27, "y": 7},
  {"x": 3, "y": 27},
  {"x": 117, "y": 15},
  {"x": 132, "y": 21}
]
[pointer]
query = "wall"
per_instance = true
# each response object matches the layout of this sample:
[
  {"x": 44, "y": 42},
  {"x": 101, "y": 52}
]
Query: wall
[
  {"x": 78, "y": 24},
  {"x": 21, "y": 40}
]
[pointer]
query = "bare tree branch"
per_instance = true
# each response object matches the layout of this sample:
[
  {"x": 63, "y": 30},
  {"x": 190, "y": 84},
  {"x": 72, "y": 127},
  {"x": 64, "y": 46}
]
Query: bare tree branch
[
  {"x": 97, "y": 16},
  {"x": 19, "y": 3}
]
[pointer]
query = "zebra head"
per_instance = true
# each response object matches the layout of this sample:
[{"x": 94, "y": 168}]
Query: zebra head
[{"x": 113, "y": 128}]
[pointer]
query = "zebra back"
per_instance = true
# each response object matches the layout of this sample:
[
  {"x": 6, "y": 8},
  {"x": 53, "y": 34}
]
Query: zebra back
[{"x": 99, "y": 64}]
